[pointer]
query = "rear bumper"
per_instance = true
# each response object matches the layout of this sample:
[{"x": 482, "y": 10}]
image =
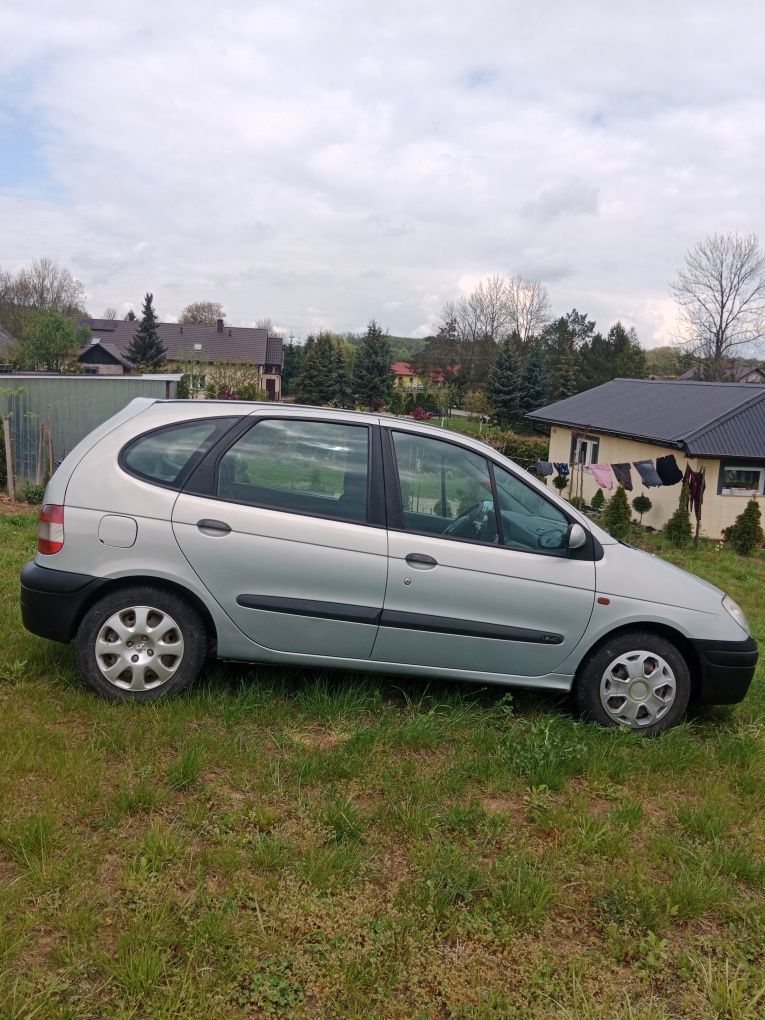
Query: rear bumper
[
  {"x": 727, "y": 668},
  {"x": 53, "y": 601}
]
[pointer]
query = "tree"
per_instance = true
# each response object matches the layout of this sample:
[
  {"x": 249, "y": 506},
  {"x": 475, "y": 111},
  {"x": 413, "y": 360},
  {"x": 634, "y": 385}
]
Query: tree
[
  {"x": 372, "y": 376},
  {"x": 43, "y": 285},
  {"x": 678, "y": 528},
  {"x": 292, "y": 367},
  {"x": 561, "y": 340},
  {"x": 202, "y": 313},
  {"x": 51, "y": 341},
  {"x": 441, "y": 354},
  {"x": 504, "y": 387},
  {"x": 617, "y": 355},
  {"x": 315, "y": 383},
  {"x": 110, "y": 313},
  {"x": 616, "y": 516},
  {"x": 130, "y": 316},
  {"x": 342, "y": 393},
  {"x": 721, "y": 294},
  {"x": 477, "y": 403},
  {"x": 598, "y": 500},
  {"x": 533, "y": 393},
  {"x": 745, "y": 534},
  {"x": 146, "y": 350},
  {"x": 641, "y": 505},
  {"x": 528, "y": 308}
]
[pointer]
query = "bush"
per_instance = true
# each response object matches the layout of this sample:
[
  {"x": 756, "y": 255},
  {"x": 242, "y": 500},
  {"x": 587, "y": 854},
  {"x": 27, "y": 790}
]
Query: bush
[
  {"x": 616, "y": 516},
  {"x": 28, "y": 492},
  {"x": 420, "y": 414},
  {"x": 678, "y": 528},
  {"x": 745, "y": 534},
  {"x": 598, "y": 500},
  {"x": 578, "y": 502},
  {"x": 524, "y": 449},
  {"x": 641, "y": 505},
  {"x": 560, "y": 482},
  {"x": 183, "y": 387}
]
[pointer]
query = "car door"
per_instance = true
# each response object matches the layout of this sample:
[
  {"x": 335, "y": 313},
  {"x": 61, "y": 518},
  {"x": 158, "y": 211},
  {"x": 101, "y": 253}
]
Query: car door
[
  {"x": 480, "y": 577},
  {"x": 281, "y": 527}
]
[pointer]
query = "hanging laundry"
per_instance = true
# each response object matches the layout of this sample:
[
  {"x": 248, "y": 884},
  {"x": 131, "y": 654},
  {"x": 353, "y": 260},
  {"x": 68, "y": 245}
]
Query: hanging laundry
[
  {"x": 602, "y": 473},
  {"x": 544, "y": 468},
  {"x": 697, "y": 483},
  {"x": 562, "y": 469},
  {"x": 667, "y": 470},
  {"x": 647, "y": 473},
  {"x": 623, "y": 475}
]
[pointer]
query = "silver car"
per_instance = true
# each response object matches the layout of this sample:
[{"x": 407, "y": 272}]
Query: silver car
[{"x": 301, "y": 535}]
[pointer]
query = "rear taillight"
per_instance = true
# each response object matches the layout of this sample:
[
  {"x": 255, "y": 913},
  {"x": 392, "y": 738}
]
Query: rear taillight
[{"x": 50, "y": 529}]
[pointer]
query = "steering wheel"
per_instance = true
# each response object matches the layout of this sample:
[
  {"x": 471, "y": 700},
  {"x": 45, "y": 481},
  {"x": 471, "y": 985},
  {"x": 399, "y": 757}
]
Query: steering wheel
[{"x": 472, "y": 513}]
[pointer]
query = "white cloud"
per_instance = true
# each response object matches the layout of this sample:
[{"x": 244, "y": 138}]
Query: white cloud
[{"x": 325, "y": 163}]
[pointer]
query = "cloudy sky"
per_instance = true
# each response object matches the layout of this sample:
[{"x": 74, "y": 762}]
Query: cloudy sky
[{"x": 321, "y": 163}]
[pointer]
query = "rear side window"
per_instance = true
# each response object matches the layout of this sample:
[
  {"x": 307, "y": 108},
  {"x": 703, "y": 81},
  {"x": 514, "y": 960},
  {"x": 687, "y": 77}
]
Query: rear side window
[
  {"x": 168, "y": 455},
  {"x": 305, "y": 467}
]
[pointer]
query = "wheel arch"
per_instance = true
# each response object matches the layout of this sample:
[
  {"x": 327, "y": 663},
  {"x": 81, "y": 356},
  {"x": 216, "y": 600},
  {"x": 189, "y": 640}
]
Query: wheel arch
[
  {"x": 681, "y": 642},
  {"x": 116, "y": 583}
]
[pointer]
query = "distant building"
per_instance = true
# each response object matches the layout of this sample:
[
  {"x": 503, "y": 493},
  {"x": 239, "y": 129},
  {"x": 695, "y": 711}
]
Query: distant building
[
  {"x": 735, "y": 371},
  {"x": 407, "y": 380},
  {"x": 106, "y": 354}
]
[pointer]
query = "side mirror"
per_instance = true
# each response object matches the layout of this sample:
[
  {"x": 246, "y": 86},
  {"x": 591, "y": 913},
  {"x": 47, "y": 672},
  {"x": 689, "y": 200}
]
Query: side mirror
[{"x": 577, "y": 537}]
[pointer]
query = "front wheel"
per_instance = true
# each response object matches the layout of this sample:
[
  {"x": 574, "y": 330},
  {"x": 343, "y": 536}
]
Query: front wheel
[
  {"x": 140, "y": 643},
  {"x": 637, "y": 679}
]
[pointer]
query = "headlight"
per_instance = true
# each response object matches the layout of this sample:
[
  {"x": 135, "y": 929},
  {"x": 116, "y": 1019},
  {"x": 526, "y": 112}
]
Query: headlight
[{"x": 734, "y": 609}]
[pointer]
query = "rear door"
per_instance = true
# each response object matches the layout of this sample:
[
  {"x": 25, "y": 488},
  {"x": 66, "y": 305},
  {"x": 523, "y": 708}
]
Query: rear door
[
  {"x": 285, "y": 529},
  {"x": 479, "y": 577}
]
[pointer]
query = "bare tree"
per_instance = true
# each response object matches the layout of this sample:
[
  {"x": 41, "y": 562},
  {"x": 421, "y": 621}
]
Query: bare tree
[
  {"x": 528, "y": 307},
  {"x": 110, "y": 313},
  {"x": 202, "y": 313},
  {"x": 41, "y": 286},
  {"x": 721, "y": 293}
]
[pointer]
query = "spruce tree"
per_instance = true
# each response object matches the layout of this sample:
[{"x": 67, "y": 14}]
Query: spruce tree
[
  {"x": 745, "y": 534},
  {"x": 314, "y": 384},
  {"x": 616, "y": 516},
  {"x": 372, "y": 376},
  {"x": 534, "y": 382},
  {"x": 504, "y": 388},
  {"x": 598, "y": 500},
  {"x": 342, "y": 395},
  {"x": 146, "y": 350},
  {"x": 678, "y": 528}
]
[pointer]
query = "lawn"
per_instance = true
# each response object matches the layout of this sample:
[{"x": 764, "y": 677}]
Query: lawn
[{"x": 294, "y": 844}]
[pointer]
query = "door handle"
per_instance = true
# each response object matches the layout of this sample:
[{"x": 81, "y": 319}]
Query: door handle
[
  {"x": 421, "y": 560},
  {"x": 208, "y": 524}
]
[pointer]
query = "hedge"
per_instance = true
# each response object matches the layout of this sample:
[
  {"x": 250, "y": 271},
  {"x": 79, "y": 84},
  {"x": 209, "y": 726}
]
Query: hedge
[{"x": 524, "y": 449}]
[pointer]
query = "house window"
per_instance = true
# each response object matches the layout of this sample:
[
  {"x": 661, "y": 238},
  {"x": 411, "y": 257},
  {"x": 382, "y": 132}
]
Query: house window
[
  {"x": 584, "y": 449},
  {"x": 741, "y": 480}
]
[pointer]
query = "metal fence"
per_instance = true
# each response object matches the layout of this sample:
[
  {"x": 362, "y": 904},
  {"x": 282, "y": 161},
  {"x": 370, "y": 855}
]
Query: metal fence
[{"x": 69, "y": 406}]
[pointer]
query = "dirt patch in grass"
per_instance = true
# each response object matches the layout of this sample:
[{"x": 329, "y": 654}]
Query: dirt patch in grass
[{"x": 13, "y": 509}]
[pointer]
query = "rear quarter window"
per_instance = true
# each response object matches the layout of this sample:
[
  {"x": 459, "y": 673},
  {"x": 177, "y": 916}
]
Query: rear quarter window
[{"x": 167, "y": 455}]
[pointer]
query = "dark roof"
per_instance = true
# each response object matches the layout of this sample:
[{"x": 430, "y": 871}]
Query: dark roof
[
  {"x": 233, "y": 343},
  {"x": 703, "y": 419},
  {"x": 110, "y": 349}
]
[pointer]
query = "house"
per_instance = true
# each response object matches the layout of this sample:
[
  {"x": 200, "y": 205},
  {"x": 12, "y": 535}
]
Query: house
[
  {"x": 735, "y": 371},
  {"x": 407, "y": 380},
  {"x": 106, "y": 354},
  {"x": 716, "y": 426}
]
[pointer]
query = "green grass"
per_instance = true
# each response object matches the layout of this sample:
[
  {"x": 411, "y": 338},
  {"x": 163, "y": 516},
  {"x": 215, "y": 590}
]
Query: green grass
[{"x": 303, "y": 844}]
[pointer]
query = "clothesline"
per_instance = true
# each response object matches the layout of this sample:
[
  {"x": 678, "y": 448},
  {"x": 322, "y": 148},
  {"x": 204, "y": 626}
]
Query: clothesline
[{"x": 665, "y": 471}]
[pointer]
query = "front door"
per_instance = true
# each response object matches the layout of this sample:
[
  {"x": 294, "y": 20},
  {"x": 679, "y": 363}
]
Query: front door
[
  {"x": 479, "y": 576},
  {"x": 283, "y": 540}
]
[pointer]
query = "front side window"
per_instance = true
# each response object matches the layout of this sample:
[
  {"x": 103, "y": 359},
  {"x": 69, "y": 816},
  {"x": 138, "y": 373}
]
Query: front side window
[
  {"x": 445, "y": 489},
  {"x": 308, "y": 467},
  {"x": 741, "y": 480},
  {"x": 529, "y": 521},
  {"x": 168, "y": 454}
]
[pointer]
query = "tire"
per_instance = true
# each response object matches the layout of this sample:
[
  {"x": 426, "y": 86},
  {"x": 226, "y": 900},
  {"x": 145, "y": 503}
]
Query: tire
[
  {"x": 157, "y": 637},
  {"x": 617, "y": 683}
]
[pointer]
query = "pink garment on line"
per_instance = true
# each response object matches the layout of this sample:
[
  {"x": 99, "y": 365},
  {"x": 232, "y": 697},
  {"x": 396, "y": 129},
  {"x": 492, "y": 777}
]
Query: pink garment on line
[{"x": 602, "y": 474}]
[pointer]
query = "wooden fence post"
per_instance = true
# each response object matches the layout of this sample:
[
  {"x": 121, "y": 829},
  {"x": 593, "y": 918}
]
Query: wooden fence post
[{"x": 9, "y": 458}]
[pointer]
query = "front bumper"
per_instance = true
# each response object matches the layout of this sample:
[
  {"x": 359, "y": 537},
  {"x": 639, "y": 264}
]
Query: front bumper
[
  {"x": 726, "y": 670},
  {"x": 54, "y": 601}
]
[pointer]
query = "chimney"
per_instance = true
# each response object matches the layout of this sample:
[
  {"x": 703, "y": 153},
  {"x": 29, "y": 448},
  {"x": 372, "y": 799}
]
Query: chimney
[{"x": 219, "y": 324}]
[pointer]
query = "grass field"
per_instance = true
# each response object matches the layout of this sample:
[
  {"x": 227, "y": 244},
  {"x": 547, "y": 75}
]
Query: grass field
[{"x": 292, "y": 844}]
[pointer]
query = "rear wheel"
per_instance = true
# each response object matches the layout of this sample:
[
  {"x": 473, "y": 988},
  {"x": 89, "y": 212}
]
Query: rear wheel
[
  {"x": 636, "y": 679},
  {"x": 140, "y": 643}
]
